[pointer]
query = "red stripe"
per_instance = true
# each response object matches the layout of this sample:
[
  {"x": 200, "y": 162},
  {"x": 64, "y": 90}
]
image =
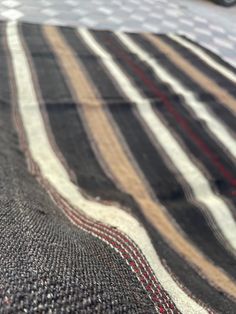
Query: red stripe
[{"x": 181, "y": 120}]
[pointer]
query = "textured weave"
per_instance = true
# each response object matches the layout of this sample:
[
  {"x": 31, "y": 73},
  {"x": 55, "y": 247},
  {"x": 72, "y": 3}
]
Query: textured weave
[{"x": 117, "y": 173}]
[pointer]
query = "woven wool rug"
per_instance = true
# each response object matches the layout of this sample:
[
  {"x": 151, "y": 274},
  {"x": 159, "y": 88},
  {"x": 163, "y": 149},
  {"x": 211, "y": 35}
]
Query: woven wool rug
[{"x": 117, "y": 173}]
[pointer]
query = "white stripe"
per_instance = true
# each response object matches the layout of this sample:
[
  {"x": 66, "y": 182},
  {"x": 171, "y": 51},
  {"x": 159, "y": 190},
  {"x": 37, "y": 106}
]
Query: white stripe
[
  {"x": 215, "y": 126},
  {"x": 202, "y": 191},
  {"x": 205, "y": 57},
  {"x": 55, "y": 173}
]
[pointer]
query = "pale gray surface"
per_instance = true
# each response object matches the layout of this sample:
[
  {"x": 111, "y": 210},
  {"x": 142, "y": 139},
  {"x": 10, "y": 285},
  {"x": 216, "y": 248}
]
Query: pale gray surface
[{"x": 201, "y": 20}]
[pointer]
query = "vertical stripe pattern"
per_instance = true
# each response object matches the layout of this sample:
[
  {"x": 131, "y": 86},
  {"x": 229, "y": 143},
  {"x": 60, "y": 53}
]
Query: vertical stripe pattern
[{"x": 133, "y": 157}]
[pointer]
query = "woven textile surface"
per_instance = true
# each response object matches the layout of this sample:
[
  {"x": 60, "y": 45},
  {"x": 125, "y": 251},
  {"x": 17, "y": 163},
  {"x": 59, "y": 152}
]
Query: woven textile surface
[{"x": 117, "y": 173}]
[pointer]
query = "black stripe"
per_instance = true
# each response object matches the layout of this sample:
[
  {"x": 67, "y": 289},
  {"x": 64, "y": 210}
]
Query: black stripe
[
  {"x": 226, "y": 186},
  {"x": 5, "y": 94},
  {"x": 105, "y": 85},
  {"x": 199, "y": 64}
]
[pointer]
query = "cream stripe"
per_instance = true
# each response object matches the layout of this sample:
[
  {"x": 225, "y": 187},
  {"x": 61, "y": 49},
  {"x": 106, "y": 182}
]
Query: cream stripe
[
  {"x": 193, "y": 176},
  {"x": 205, "y": 57},
  {"x": 112, "y": 152},
  {"x": 200, "y": 78},
  {"x": 200, "y": 109},
  {"x": 54, "y": 172}
]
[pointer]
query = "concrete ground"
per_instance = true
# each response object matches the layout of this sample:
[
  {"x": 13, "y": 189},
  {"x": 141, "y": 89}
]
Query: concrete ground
[{"x": 202, "y": 20}]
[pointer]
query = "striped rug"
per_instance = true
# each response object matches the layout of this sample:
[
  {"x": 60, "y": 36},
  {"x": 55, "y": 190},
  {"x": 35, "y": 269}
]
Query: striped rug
[{"x": 117, "y": 173}]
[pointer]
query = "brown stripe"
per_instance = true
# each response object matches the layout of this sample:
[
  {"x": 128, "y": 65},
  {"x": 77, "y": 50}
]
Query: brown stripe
[
  {"x": 199, "y": 77},
  {"x": 120, "y": 166}
]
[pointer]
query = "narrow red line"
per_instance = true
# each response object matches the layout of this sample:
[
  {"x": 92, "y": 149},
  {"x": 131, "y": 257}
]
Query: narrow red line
[
  {"x": 181, "y": 120},
  {"x": 110, "y": 236},
  {"x": 155, "y": 295},
  {"x": 128, "y": 246}
]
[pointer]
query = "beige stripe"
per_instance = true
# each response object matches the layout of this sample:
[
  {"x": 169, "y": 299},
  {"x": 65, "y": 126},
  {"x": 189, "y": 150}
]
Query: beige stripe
[
  {"x": 122, "y": 169},
  {"x": 199, "y": 77}
]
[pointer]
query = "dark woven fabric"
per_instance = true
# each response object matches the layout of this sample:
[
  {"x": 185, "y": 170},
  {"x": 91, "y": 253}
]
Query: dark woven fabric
[{"x": 117, "y": 173}]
